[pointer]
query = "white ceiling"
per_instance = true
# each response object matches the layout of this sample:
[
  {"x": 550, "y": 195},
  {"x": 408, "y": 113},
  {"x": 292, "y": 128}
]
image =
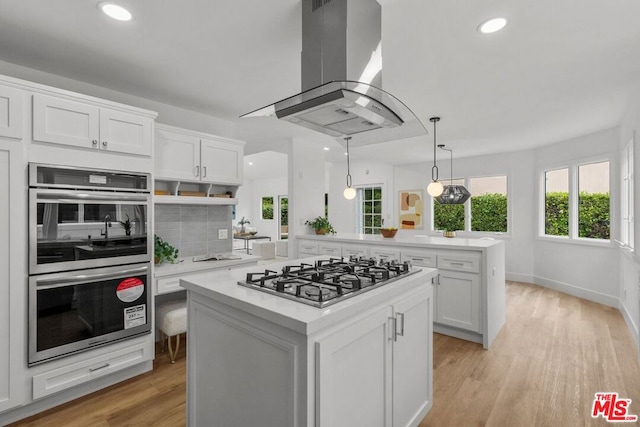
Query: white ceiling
[{"x": 560, "y": 69}]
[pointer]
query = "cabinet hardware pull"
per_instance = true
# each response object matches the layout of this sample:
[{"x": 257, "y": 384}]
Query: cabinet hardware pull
[
  {"x": 204, "y": 171},
  {"x": 394, "y": 328},
  {"x": 401, "y": 316},
  {"x": 104, "y": 144},
  {"x": 456, "y": 263},
  {"x": 418, "y": 259},
  {"x": 94, "y": 142},
  {"x": 197, "y": 170},
  {"x": 106, "y": 365}
]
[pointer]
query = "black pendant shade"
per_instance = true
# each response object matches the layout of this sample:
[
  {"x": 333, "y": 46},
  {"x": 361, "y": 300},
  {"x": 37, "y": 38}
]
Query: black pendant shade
[{"x": 453, "y": 195}]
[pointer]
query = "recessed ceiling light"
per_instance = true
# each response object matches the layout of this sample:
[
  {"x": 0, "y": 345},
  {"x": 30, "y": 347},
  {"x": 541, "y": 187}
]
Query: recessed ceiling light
[
  {"x": 115, "y": 11},
  {"x": 492, "y": 25},
  {"x": 326, "y": 148},
  {"x": 250, "y": 163}
]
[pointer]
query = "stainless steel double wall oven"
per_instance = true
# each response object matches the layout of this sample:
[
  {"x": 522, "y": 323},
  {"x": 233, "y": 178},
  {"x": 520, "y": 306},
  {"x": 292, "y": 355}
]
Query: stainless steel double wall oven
[{"x": 89, "y": 259}]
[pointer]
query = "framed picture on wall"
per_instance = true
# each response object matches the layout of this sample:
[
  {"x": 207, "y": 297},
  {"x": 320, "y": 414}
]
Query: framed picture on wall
[{"x": 411, "y": 209}]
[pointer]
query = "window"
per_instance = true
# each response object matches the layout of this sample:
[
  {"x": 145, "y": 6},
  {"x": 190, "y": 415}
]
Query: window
[
  {"x": 556, "y": 202},
  {"x": 627, "y": 213},
  {"x": 448, "y": 217},
  {"x": 576, "y": 201},
  {"x": 593, "y": 201},
  {"x": 489, "y": 204},
  {"x": 370, "y": 210},
  {"x": 267, "y": 208},
  {"x": 487, "y": 208}
]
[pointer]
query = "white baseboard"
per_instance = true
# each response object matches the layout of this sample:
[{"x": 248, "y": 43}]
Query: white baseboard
[
  {"x": 519, "y": 277},
  {"x": 633, "y": 328},
  {"x": 610, "y": 300}
]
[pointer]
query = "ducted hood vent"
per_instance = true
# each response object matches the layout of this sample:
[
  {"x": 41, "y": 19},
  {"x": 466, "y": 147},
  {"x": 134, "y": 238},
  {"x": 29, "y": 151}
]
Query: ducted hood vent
[{"x": 342, "y": 76}]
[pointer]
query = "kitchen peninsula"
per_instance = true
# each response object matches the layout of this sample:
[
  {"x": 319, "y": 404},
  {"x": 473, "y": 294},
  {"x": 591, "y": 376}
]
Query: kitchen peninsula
[
  {"x": 469, "y": 291},
  {"x": 256, "y": 358}
]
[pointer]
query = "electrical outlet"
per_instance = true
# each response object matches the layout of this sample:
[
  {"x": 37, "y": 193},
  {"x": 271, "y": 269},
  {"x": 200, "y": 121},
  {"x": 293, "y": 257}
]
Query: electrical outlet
[{"x": 223, "y": 233}]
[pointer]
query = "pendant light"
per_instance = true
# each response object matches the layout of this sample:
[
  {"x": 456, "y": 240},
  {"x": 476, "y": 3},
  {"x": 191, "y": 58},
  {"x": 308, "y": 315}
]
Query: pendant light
[
  {"x": 349, "y": 192},
  {"x": 435, "y": 188},
  {"x": 452, "y": 194}
]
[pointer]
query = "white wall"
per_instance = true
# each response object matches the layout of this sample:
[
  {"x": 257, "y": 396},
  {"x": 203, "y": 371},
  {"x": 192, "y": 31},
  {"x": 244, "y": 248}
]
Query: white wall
[
  {"x": 306, "y": 188},
  {"x": 167, "y": 114},
  {"x": 342, "y": 212},
  {"x": 266, "y": 187},
  {"x": 629, "y": 264},
  {"x": 588, "y": 271}
]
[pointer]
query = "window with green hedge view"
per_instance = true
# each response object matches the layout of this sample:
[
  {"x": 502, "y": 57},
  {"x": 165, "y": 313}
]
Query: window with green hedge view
[
  {"x": 267, "y": 208},
  {"x": 370, "y": 207},
  {"x": 593, "y": 202},
  {"x": 487, "y": 205}
]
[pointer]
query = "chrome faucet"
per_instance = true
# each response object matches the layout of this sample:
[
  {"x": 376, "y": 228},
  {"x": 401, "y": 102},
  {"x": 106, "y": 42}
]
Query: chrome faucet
[{"x": 107, "y": 224}]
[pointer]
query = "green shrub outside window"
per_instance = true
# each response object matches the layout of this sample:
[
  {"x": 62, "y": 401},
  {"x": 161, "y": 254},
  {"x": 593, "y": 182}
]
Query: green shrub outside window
[
  {"x": 267, "y": 208},
  {"x": 593, "y": 215}
]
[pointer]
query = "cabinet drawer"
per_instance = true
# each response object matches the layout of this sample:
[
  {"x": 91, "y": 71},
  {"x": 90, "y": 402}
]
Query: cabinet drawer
[
  {"x": 308, "y": 248},
  {"x": 357, "y": 251},
  {"x": 60, "y": 379},
  {"x": 332, "y": 250},
  {"x": 459, "y": 261},
  {"x": 170, "y": 284},
  {"x": 419, "y": 258},
  {"x": 389, "y": 254}
]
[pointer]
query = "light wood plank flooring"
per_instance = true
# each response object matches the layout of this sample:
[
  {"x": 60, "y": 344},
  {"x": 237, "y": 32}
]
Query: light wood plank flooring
[{"x": 554, "y": 353}]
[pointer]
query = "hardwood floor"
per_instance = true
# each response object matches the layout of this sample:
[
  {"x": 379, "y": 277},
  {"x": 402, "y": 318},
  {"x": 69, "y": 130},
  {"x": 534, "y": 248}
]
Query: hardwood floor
[{"x": 554, "y": 353}]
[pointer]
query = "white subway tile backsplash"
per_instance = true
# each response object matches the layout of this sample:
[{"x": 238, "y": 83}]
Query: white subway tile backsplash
[{"x": 193, "y": 229}]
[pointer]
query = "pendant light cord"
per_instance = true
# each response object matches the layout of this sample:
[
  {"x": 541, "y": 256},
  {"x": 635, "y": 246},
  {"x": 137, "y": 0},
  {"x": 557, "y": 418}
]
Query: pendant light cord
[
  {"x": 451, "y": 167},
  {"x": 348, "y": 161},
  {"x": 434, "y": 169}
]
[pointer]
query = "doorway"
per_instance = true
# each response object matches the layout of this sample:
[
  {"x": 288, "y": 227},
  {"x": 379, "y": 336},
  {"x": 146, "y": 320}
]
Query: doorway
[{"x": 283, "y": 214}]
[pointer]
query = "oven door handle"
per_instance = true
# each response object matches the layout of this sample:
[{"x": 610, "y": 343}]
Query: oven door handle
[
  {"x": 74, "y": 196},
  {"x": 45, "y": 283}
]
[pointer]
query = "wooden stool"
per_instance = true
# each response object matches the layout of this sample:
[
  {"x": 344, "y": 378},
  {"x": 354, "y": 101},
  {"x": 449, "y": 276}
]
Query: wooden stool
[{"x": 172, "y": 321}]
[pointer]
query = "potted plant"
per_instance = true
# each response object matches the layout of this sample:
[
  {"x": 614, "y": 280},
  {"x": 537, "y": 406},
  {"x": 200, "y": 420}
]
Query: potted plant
[
  {"x": 163, "y": 251},
  {"x": 321, "y": 225},
  {"x": 449, "y": 232},
  {"x": 127, "y": 225},
  {"x": 241, "y": 223}
]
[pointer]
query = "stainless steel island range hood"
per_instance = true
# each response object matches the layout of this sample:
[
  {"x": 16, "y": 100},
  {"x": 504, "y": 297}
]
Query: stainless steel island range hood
[{"x": 342, "y": 77}]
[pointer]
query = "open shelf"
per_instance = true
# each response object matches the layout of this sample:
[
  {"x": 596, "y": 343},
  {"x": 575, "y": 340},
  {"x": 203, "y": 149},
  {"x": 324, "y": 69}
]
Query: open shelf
[{"x": 193, "y": 193}]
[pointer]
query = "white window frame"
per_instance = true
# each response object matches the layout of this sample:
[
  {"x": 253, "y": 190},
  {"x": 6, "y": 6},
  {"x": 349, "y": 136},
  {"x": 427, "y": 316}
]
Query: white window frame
[
  {"x": 467, "y": 208},
  {"x": 627, "y": 216},
  {"x": 359, "y": 212},
  {"x": 573, "y": 168}
]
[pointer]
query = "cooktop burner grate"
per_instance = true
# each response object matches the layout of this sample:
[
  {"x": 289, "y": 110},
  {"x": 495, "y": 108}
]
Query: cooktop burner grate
[{"x": 328, "y": 281}]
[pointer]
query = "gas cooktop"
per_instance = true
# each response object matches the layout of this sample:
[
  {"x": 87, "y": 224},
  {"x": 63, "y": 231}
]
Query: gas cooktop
[{"x": 328, "y": 281}]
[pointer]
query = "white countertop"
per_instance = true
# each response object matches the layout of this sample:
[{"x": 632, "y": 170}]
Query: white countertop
[
  {"x": 222, "y": 286},
  {"x": 187, "y": 266},
  {"x": 411, "y": 241}
]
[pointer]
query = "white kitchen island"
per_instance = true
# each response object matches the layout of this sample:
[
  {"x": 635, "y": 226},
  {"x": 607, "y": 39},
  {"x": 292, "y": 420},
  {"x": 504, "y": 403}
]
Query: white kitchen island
[
  {"x": 259, "y": 359},
  {"x": 469, "y": 292}
]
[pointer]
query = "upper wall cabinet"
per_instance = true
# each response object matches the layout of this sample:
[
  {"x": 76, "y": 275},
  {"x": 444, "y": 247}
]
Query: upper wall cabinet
[
  {"x": 62, "y": 121},
  {"x": 11, "y": 113},
  {"x": 194, "y": 157}
]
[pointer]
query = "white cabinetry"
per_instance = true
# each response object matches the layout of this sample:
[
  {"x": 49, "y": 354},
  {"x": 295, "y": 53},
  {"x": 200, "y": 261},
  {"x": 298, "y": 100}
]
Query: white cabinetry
[
  {"x": 199, "y": 168},
  {"x": 458, "y": 290},
  {"x": 355, "y": 250},
  {"x": 307, "y": 249},
  {"x": 365, "y": 363},
  {"x": 457, "y": 300},
  {"x": 84, "y": 125},
  {"x": 11, "y": 113},
  {"x": 385, "y": 253},
  {"x": 392, "y": 349},
  {"x": 12, "y": 275},
  {"x": 330, "y": 249}
]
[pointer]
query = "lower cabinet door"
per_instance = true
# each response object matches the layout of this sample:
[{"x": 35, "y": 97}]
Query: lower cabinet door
[
  {"x": 354, "y": 382},
  {"x": 458, "y": 300},
  {"x": 413, "y": 358}
]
